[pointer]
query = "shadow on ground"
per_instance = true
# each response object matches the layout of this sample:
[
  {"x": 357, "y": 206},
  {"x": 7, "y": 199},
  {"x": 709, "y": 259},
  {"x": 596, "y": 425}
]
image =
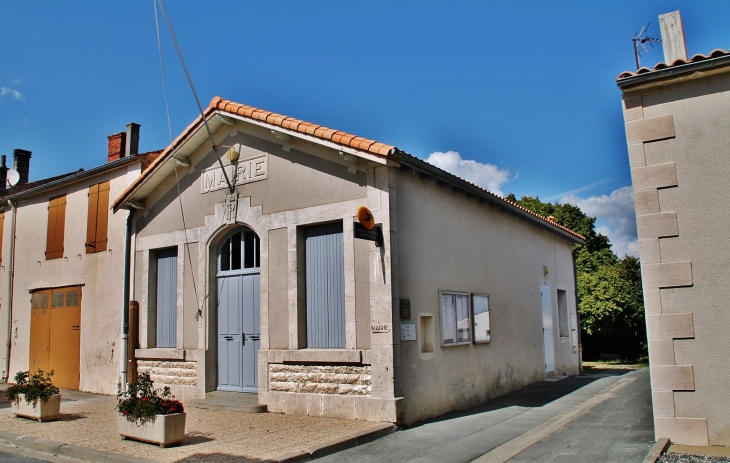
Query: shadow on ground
[{"x": 535, "y": 395}]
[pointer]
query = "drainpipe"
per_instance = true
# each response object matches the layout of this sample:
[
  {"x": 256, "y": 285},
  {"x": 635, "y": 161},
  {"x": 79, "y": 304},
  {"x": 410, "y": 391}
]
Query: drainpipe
[
  {"x": 577, "y": 311},
  {"x": 9, "y": 290},
  {"x": 125, "y": 302}
]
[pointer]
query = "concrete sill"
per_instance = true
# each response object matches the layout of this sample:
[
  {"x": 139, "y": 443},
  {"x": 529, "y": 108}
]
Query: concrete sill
[
  {"x": 160, "y": 353},
  {"x": 338, "y": 356}
]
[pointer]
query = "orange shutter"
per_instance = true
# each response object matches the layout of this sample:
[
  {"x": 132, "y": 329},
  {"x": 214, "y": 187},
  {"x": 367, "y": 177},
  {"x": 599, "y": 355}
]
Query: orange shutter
[
  {"x": 2, "y": 227},
  {"x": 91, "y": 219},
  {"x": 102, "y": 217},
  {"x": 56, "y": 225}
]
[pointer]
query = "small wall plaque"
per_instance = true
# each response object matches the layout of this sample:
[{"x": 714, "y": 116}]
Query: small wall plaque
[
  {"x": 380, "y": 328},
  {"x": 405, "y": 309}
]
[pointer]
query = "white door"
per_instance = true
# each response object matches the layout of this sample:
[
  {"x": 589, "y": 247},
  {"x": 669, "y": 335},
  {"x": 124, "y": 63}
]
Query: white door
[{"x": 547, "y": 328}]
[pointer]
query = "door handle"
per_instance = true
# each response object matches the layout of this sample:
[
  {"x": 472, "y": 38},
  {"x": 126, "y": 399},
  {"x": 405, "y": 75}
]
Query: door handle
[
  {"x": 75, "y": 327},
  {"x": 255, "y": 337},
  {"x": 228, "y": 338}
]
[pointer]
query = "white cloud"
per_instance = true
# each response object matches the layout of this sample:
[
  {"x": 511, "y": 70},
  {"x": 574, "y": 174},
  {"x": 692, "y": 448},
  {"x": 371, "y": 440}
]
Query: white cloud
[
  {"x": 4, "y": 91},
  {"x": 615, "y": 218},
  {"x": 486, "y": 176}
]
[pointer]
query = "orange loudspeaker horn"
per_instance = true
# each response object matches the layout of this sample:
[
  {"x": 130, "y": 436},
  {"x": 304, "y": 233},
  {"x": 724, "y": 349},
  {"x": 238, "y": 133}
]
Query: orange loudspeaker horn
[{"x": 365, "y": 217}]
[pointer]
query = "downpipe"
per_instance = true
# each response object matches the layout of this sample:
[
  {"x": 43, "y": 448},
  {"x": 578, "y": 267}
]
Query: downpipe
[
  {"x": 9, "y": 292},
  {"x": 125, "y": 302}
]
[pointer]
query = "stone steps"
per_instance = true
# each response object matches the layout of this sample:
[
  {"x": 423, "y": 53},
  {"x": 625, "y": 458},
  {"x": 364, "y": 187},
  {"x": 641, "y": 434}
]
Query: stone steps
[{"x": 230, "y": 401}]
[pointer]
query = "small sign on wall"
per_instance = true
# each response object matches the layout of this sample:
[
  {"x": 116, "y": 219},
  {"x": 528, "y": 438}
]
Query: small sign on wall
[
  {"x": 384, "y": 328},
  {"x": 407, "y": 331}
]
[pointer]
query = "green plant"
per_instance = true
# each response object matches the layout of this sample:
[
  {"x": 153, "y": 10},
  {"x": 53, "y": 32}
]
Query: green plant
[
  {"x": 33, "y": 387},
  {"x": 141, "y": 402}
]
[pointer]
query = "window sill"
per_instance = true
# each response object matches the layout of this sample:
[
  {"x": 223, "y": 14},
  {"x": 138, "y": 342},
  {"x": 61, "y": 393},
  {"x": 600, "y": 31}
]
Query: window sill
[
  {"x": 160, "y": 353},
  {"x": 353, "y": 356}
]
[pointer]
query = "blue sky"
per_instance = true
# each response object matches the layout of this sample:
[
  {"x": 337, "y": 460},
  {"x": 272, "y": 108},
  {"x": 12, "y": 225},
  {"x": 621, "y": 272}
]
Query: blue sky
[{"x": 524, "y": 92}]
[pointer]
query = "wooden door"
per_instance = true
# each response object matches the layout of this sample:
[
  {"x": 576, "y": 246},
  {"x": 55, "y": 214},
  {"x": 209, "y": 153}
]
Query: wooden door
[
  {"x": 40, "y": 328},
  {"x": 55, "y": 340}
]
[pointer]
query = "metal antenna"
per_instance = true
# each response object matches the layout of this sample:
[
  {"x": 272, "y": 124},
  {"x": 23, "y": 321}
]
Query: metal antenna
[{"x": 643, "y": 43}]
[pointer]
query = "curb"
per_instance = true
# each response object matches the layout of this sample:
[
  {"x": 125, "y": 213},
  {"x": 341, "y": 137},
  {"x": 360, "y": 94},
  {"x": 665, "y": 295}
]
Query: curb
[
  {"x": 65, "y": 450},
  {"x": 657, "y": 451},
  {"x": 337, "y": 445}
]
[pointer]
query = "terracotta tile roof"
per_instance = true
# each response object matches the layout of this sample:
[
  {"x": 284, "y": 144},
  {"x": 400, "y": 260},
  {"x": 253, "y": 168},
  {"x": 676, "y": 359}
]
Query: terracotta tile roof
[
  {"x": 319, "y": 131},
  {"x": 696, "y": 58},
  {"x": 335, "y": 136}
]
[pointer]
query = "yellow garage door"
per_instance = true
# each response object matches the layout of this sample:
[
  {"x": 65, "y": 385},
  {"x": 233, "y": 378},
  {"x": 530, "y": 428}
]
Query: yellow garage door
[{"x": 55, "y": 334}]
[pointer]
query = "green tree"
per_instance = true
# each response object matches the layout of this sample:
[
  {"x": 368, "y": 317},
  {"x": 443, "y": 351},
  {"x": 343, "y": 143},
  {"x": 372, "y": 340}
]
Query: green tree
[{"x": 609, "y": 288}]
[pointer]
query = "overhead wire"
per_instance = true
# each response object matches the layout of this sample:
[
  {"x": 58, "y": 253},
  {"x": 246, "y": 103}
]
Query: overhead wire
[
  {"x": 199, "y": 311},
  {"x": 195, "y": 94}
]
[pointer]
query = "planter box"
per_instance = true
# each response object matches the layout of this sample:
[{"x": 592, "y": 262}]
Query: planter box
[
  {"x": 38, "y": 410},
  {"x": 165, "y": 430}
]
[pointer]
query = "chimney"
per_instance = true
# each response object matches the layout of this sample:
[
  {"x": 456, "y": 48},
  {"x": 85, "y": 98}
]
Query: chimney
[
  {"x": 117, "y": 145},
  {"x": 21, "y": 163},
  {"x": 132, "y": 139},
  {"x": 675, "y": 47},
  {"x": 3, "y": 175}
]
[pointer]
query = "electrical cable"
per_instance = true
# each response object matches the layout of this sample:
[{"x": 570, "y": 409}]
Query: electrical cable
[{"x": 199, "y": 312}]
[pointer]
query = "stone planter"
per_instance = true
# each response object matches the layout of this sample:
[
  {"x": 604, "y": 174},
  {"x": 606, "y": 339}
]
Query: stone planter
[
  {"x": 38, "y": 410},
  {"x": 165, "y": 430}
]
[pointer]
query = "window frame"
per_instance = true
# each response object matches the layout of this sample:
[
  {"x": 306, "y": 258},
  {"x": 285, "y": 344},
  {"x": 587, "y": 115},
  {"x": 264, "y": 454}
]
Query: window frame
[
  {"x": 473, "y": 318},
  {"x": 456, "y": 320},
  {"x": 257, "y": 253},
  {"x": 566, "y": 319}
]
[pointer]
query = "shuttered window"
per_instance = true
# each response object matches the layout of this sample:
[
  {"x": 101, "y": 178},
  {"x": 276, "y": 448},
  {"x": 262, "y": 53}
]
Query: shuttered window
[
  {"x": 2, "y": 227},
  {"x": 56, "y": 227},
  {"x": 167, "y": 297},
  {"x": 325, "y": 264},
  {"x": 97, "y": 222}
]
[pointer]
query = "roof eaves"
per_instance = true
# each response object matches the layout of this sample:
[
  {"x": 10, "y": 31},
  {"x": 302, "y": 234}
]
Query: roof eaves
[
  {"x": 487, "y": 196},
  {"x": 70, "y": 178},
  {"x": 663, "y": 72}
]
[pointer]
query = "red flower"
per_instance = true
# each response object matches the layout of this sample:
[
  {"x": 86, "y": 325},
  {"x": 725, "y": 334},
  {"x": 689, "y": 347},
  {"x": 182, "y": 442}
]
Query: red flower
[{"x": 144, "y": 399}]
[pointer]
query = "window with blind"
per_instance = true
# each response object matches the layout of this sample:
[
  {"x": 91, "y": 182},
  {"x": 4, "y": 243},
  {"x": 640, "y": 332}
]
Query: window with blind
[
  {"x": 97, "y": 222},
  {"x": 56, "y": 227}
]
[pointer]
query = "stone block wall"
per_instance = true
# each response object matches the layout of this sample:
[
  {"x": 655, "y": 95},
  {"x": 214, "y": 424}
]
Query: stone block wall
[
  {"x": 320, "y": 379},
  {"x": 169, "y": 373}
]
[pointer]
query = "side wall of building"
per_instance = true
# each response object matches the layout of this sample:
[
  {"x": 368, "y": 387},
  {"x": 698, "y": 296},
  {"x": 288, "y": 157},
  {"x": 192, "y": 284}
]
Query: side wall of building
[
  {"x": 678, "y": 141},
  {"x": 447, "y": 241},
  {"x": 100, "y": 275}
]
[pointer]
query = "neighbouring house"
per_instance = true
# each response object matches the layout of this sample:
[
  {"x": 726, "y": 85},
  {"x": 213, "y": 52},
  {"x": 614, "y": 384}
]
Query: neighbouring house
[
  {"x": 274, "y": 287},
  {"x": 62, "y": 268},
  {"x": 677, "y": 119}
]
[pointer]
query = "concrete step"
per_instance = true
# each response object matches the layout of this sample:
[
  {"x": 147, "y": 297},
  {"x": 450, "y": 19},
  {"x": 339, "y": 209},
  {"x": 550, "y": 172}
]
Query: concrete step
[{"x": 230, "y": 401}]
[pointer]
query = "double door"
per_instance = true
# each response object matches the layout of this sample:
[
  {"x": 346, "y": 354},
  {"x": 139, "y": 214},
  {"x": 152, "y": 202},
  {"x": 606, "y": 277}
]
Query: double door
[
  {"x": 238, "y": 332},
  {"x": 55, "y": 334}
]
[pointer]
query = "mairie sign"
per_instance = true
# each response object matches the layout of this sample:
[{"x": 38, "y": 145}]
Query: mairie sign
[{"x": 239, "y": 173}]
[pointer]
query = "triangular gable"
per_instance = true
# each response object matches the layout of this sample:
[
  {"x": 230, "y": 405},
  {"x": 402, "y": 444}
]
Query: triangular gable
[{"x": 221, "y": 112}]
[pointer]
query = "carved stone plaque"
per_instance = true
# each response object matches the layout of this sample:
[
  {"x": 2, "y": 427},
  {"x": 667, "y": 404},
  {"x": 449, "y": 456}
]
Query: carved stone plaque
[{"x": 230, "y": 208}]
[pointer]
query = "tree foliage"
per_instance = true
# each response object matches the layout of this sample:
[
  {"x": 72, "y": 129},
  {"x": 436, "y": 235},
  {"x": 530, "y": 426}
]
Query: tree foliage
[{"x": 609, "y": 288}]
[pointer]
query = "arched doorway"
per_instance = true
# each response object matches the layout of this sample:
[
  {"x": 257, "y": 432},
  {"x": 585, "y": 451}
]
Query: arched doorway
[{"x": 238, "y": 330}]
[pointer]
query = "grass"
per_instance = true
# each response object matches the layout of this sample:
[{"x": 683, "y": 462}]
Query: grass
[{"x": 617, "y": 364}]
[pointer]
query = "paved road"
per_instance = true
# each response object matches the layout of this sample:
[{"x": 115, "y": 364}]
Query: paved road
[
  {"x": 12, "y": 455},
  {"x": 618, "y": 430},
  {"x": 620, "y": 424}
]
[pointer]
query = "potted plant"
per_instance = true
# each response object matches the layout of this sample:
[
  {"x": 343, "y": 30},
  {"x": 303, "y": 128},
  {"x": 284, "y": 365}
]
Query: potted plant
[
  {"x": 150, "y": 415},
  {"x": 34, "y": 396}
]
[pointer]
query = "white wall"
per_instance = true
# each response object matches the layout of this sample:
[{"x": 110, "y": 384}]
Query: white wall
[{"x": 100, "y": 274}]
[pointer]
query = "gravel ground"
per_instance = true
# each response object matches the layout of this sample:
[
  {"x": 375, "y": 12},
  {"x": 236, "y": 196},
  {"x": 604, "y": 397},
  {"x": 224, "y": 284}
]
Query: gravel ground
[
  {"x": 210, "y": 435},
  {"x": 686, "y": 458}
]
